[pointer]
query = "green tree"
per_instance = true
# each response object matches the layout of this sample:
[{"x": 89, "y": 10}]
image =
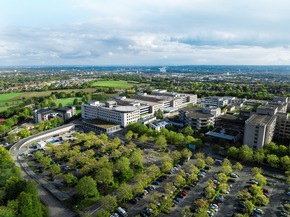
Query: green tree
[
  {"x": 179, "y": 181},
  {"x": 226, "y": 170},
  {"x": 86, "y": 188},
  {"x": 256, "y": 170},
  {"x": 261, "y": 179},
  {"x": 143, "y": 138},
  {"x": 124, "y": 193},
  {"x": 209, "y": 192},
  {"x": 226, "y": 162},
  {"x": 245, "y": 153},
  {"x": 105, "y": 176},
  {"x": 199, "y": 155},
  {"x": 109, "y": 203},
  {"x": 102, "y": 213},
  {"x": 187, "y": 131},
  {"x": 186, "y": 212},
  {"x": 24, "y": 133},
  {"x": 238, "y": 166},
  {"x": 186, "y": 153},
  {"x": 166, "y": 166},
  {"x": 273, "y": 160},
  {"x": 200, "y": 163},
  {"x": 176, "y": 156},
  {"x": 55, "y": 169},
  {"x": 161, "y": 142},
  {"x": 45, "y": 161},
  {"x": 129, "y": 135},
  {"x": 233, "y": 152},
  {"x": 261, "y": 200},
  {"x": 285, "y": 162},
  {"x": 209, "y": 160},
  {"x": 70, "y": 179},
  {"x": 259, "y": 156},
  {"x": 249, "y": 206}
]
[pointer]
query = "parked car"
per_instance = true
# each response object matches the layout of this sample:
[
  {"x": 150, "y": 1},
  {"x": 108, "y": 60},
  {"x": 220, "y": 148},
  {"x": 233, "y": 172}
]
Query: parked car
[
  {"x": 259, "y": 211},
  {"x": 156, "y": 183},
  {"x": 253, "y": 181},
  {"x": 234, "y": 175}
]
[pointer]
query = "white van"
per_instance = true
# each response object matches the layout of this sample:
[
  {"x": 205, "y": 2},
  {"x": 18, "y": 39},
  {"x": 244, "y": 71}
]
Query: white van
[{"x": 122, "y": 212}]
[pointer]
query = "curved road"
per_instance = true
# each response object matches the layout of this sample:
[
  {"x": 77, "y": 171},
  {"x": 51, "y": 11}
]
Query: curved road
[{"x": 55, "y": 206}]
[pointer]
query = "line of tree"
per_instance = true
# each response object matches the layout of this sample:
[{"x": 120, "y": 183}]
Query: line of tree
[{"x": 18, "y": 197}]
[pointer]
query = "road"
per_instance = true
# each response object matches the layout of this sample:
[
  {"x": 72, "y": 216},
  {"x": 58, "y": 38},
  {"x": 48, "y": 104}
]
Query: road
[{"x": 55, "y": 206}]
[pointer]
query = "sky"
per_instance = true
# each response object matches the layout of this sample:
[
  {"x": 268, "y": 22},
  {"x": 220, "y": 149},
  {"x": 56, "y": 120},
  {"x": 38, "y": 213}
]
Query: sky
[{"x": 144, "y": 32}]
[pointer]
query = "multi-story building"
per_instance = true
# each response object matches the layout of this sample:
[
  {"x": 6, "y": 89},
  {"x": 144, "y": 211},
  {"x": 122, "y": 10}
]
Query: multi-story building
[
  {"x": 124, "y": 111},
  {"x": 259, "y": 130},
  {"x": 195, "y": 118},
  {"x": 45, "y": 114},
  {"x": 214, "y": 101}
]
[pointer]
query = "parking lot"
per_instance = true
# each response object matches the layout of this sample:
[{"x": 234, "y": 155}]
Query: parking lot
[{"x": 230, "y": 204}]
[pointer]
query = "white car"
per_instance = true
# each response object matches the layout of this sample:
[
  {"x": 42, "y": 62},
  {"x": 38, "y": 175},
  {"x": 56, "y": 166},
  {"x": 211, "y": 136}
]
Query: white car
[
  {"x": 253, "y": 181},
  {"x": 259, "y": 211}
]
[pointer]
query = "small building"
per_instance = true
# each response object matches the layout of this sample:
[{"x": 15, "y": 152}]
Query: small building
[
  {"x": 225, "y": 133},
  {"x": 159, "y": 125},
  {"x": 45, "y": 114},
  {"x": 40, "y": 145},
  {"x": 100, "y": 126}
]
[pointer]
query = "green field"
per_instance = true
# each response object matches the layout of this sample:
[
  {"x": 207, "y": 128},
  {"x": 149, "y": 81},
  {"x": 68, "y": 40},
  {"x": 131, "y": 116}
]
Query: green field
[
  {"x": 67, "y": 101},
  {"x": 115, "y": 84},
  {"x": 8, "y": 97}
]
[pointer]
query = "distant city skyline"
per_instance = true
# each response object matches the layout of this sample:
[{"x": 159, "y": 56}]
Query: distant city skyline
[{"x": 144, "y": 32}]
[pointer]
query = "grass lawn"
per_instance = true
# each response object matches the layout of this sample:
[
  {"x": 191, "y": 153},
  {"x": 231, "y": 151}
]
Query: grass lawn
[
  {"x": 7, "y": 97},
  {"x": 28, "y": 95},
  {"x": 116, "y": 84},
  {"x": 67, "y": 101}
]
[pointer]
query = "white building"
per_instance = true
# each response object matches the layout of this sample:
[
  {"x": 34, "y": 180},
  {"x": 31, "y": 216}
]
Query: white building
[
  {"x": 214, "y": 101},
  {"x": 259, "y": 130}
]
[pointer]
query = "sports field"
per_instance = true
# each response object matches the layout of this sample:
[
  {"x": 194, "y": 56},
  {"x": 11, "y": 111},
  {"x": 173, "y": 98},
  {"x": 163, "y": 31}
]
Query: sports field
[
  {"x": 8, "y": 97},
  {"x": 115, "y": 84}
]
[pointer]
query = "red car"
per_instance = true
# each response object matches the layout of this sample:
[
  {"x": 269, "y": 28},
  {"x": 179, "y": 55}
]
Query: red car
[
  {"x": 265, "y": 191},
  {"x": 183, "y": 193}
]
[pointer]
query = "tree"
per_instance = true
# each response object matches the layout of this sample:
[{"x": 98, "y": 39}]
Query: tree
[
  {"x": 200, "y": 163},
  {"x": 105, "y": 176},
  {"x": 222, "y": 177},
  {"x": 192, "y": 169},
  {"x": 143, "y": 138},
  {"x": 186, "y": 212},
  {"x": 199, "y": 155},
  {"x": 143, "y": 179},
  {"x": 187, "y": 131},
  {"x": 226, "y": 170},
  {"x": 285, "y": 162},
  {"x": 109, "y": 203},
  {"x": 102, "y": 213},
  {"x": 136, "y": 158},
  {"x": 249, "y": 206},
  {"x": 193, "y": 177},
  {"x": 45, "y": 161},
  {"x": 166, "y": 166},
  {"x": 261, "y": 179},
  {"x": 233, "y": 152},
  {"x": 24, "y": 133},
  {"x": 259, "y": 156},
  {"x": 161, "y": 142},
  {"x": 179, "y": 181},
  {"x": 11, "y": 138},
  {"x": 129, "y": 135},
  {"x": 54, "y": 169},
  {"x": 153, "y": 171},
  {"x": 86, "y": 188},
  {"x": 175, "y": 155},
  {"x": 261, "y": 200},
  {"x": 245, "y": 153},
  {"x": 70, "y": 179},
  {"x": 124, "y": 193},
  {"x": 273, "y": 160},
  {"x": 209, "y": 160},
  {"x": 244, "y": 195},
  {"x": 226, "y": 162},
  {"x": 238, "y": 166},
  {"x": 256, "y": 170},
  {"x": 209, "y": 192},
  {"x": 186, "y": 153}
]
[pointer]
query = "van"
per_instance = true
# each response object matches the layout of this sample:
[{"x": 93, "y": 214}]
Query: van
[
  {"x": 122, "y": 212},
  {"x": 218, "y": 162}
]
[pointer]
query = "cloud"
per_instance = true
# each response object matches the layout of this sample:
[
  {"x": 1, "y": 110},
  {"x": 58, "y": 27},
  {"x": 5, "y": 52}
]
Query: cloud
[{"x": 160, "y": 32}]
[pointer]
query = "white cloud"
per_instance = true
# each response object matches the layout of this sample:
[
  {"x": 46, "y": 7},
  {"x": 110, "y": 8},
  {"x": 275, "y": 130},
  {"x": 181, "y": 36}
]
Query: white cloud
[{"x": 152, "y": 32}]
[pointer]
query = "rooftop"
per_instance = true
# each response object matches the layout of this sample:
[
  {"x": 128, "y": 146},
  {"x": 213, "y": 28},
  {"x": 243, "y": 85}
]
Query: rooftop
[
  {"x": 195, "y": 112},
  {"x": 259, "y": 119},
  {"x": 101, "y": 123}
]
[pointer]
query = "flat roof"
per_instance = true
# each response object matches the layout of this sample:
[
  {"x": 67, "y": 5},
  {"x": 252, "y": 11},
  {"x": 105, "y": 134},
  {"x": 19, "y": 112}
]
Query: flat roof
[
  {"x": 101, "y": 123},
  {"x": 271, "y": 107},
  {"x": 259, "y": 119},
  {"x": 126, "y": 108},
  {"x": 196, "y": 112}
]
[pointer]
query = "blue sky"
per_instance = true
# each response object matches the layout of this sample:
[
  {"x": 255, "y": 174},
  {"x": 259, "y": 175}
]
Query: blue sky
[{"x": 144, "y": 32}]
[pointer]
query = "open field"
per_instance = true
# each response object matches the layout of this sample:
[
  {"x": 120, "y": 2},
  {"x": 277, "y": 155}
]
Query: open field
[
  {"x": 6, "y": 97},
  {"x": 47, "y": 93},
  {"x": 67, "y": 101},
  {"x": 116, "y": 84}
]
